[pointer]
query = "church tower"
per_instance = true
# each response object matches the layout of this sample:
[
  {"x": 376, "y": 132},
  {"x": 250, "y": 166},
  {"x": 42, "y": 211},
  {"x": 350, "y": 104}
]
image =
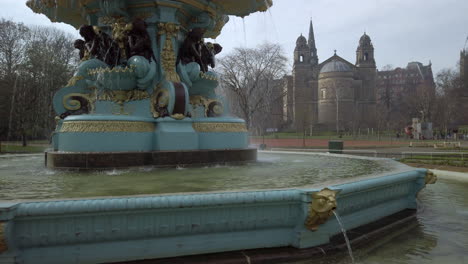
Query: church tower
[
  {"x": 366, "y": 97},
  {"x": 312, "y": 47},
  {"x": 305, "y": 82},
  {"x": 365, "y": 53}
]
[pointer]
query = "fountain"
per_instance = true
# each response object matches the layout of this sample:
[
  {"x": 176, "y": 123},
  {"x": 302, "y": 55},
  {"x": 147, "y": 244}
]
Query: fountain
[
  {"x": 143, "y": 97},
  {"x": 144, "y": 93}
]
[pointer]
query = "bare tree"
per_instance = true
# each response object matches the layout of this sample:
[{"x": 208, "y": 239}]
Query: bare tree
[
  {"x": 12, "y": 46},
  {"x": 248, "y": 77},
  {"x": 449, "y": 88},
  {"x": 44, "y": 64}
]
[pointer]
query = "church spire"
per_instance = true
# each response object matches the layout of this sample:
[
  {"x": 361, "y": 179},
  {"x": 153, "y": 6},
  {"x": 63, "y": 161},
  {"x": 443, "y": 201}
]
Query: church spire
[
  {"x": 311, "y": 43},
  {"x": 311, "y": 36}
]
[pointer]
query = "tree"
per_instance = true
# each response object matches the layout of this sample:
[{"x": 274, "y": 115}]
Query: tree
[
  {"x": 43, "y": 63},
  {"x": 12, "y": 46},
  {"x": 248, "y": 77},
  {"x": 449, "y": 88}
]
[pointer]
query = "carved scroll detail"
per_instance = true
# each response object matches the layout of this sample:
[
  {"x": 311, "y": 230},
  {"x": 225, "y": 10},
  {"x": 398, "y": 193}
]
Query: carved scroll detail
[
  {"x": 168, "y": 57},
  {"x": 106, "y": 126}
]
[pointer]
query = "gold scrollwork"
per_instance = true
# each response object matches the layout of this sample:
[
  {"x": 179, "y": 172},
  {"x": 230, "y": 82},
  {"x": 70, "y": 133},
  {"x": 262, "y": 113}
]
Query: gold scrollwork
[
  {"x": 72, "y": 101},
  {"x": 430, "y": 177},
  {"x": 160, "y": 102},
  {"x": 168, "y": 57},
  {"x": 106, "y": 126},
  {"x": 219, "y": 127},
  {"x": 74, "y": 80},
  {"x": 121, "y": 97},
  {"x": 128, "y": 69},
  {"x": 210, "y": 105},
  {"x": 322, "y": 206},
  {"x": 3, "y": 244}
]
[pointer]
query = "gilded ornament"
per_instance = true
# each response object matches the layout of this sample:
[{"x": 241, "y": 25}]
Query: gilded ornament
[
  {"x": 178, "y": 116},
  {"x": 212, "y": 107},
  {"x": 121, "y": 97},
  {"x": 120, "y": 30},
  {"x": 159, "y": 102},
  {"x": 74, "y": 80},
  {"x": 219, "y": 127},
  {"x": 3, "y": 244},
  {"x": 322, "y": 207},
  {"x": 72, "y": 101},
  {"x": 128, "y": 69},
  {"x": 168, "y": 57},
  {"x": 430, "y": 177},
  {"x": 106, "y": 126}
]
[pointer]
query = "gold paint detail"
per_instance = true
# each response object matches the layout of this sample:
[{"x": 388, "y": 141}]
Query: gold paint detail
[
  {"x": 128, "y": 69},
  {"x": 178, "y": 116},
  {"x": 120, "y": 30},
  {"x": 3, "y": 244},
  {"x": 430, "y": 177},
  {"x": 74, "y": 80},
  {"x": 322, "y": 207},
  {"x": 71, "y": 102},
  {"x": 168, "y": 57},
  {"x": 106, "y": 126},
  {"x": 159, "y": 102},
  {"x": 215, "y": 105},
  {"x": 219, "y": 127},
  {"x": 120, "y": 97},
  {"x": 208, "y": 76}
]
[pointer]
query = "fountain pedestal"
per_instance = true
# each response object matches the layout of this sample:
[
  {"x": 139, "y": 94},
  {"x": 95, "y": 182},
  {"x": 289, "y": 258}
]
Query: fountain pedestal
[{"x": 143, "y": 88}]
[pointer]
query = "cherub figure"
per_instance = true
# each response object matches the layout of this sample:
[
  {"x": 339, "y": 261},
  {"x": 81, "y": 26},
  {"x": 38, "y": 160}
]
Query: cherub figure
[
  {"x": 191, "y": 48},
  {"x": 139, "y": 41},
  {"x": 209, "y": 51}
]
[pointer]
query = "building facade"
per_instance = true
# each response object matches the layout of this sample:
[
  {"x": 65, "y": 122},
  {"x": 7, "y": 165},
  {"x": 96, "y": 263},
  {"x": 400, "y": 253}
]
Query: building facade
[{"x": 333, "y": 95}]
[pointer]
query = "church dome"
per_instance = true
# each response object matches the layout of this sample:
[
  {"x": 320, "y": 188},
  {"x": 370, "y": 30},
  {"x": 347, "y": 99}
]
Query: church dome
[
  {"x": 365, "y": 40},
  {"x": 301, "y": 40},
  {"x": 335, "y": 66}
]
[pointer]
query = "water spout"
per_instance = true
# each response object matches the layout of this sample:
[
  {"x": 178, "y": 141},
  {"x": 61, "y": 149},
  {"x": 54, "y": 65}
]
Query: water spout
[
  {"x": 345, "y": 236},
  {"x": 245, "y": 33}
]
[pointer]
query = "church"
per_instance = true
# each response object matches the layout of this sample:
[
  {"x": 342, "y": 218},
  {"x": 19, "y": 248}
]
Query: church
[{"x": 334, "y": 94}]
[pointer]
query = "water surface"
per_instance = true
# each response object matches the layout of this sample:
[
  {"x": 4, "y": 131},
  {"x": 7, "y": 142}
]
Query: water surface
[{"x": 24, "y": 177}]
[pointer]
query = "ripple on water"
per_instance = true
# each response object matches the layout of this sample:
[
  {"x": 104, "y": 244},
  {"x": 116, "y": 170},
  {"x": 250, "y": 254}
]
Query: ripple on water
[{"x": 271, "y": 172}]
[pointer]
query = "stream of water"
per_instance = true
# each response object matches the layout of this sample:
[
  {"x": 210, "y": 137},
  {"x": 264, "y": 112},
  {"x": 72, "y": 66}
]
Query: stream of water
[{"x": 439, "y": 234}]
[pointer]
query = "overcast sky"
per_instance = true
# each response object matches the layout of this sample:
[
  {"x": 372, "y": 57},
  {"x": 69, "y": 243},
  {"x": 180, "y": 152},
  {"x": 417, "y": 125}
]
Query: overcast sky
[{"x": 401, "y": 30}]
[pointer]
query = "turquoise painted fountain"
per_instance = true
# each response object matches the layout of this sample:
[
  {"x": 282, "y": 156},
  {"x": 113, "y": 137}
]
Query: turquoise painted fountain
[
  {"x": 144, "y": 87},
  {"x": 144, "y": 97}
]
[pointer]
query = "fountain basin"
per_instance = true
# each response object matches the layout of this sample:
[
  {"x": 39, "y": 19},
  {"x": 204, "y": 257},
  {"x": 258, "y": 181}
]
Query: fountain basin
[{"x": 116, "y": 229}]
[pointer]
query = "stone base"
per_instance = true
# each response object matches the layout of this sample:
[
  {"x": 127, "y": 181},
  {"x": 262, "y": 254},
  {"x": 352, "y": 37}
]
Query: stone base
[{"x": 106, "y": 160}]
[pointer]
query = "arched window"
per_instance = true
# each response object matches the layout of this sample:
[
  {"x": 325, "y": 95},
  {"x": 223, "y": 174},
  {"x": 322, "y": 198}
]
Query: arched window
[
  {"x": 301, "y": 58},
  {"x": 324, "y": 93},
  {"x": 366, "y": 56}
]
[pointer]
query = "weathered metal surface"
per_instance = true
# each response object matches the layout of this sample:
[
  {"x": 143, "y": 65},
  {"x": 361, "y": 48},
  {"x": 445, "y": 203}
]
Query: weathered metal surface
[{"x": 122, "y": 229}]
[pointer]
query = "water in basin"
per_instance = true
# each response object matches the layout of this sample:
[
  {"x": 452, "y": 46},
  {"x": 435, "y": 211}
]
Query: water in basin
[{"x": 26, "y": 178}]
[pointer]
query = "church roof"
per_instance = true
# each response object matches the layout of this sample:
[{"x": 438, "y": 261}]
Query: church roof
[
  {"x": 365, "y": 40},
  {"x": 301, "y": 40},
  {"x": 335, "y": 65}
]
